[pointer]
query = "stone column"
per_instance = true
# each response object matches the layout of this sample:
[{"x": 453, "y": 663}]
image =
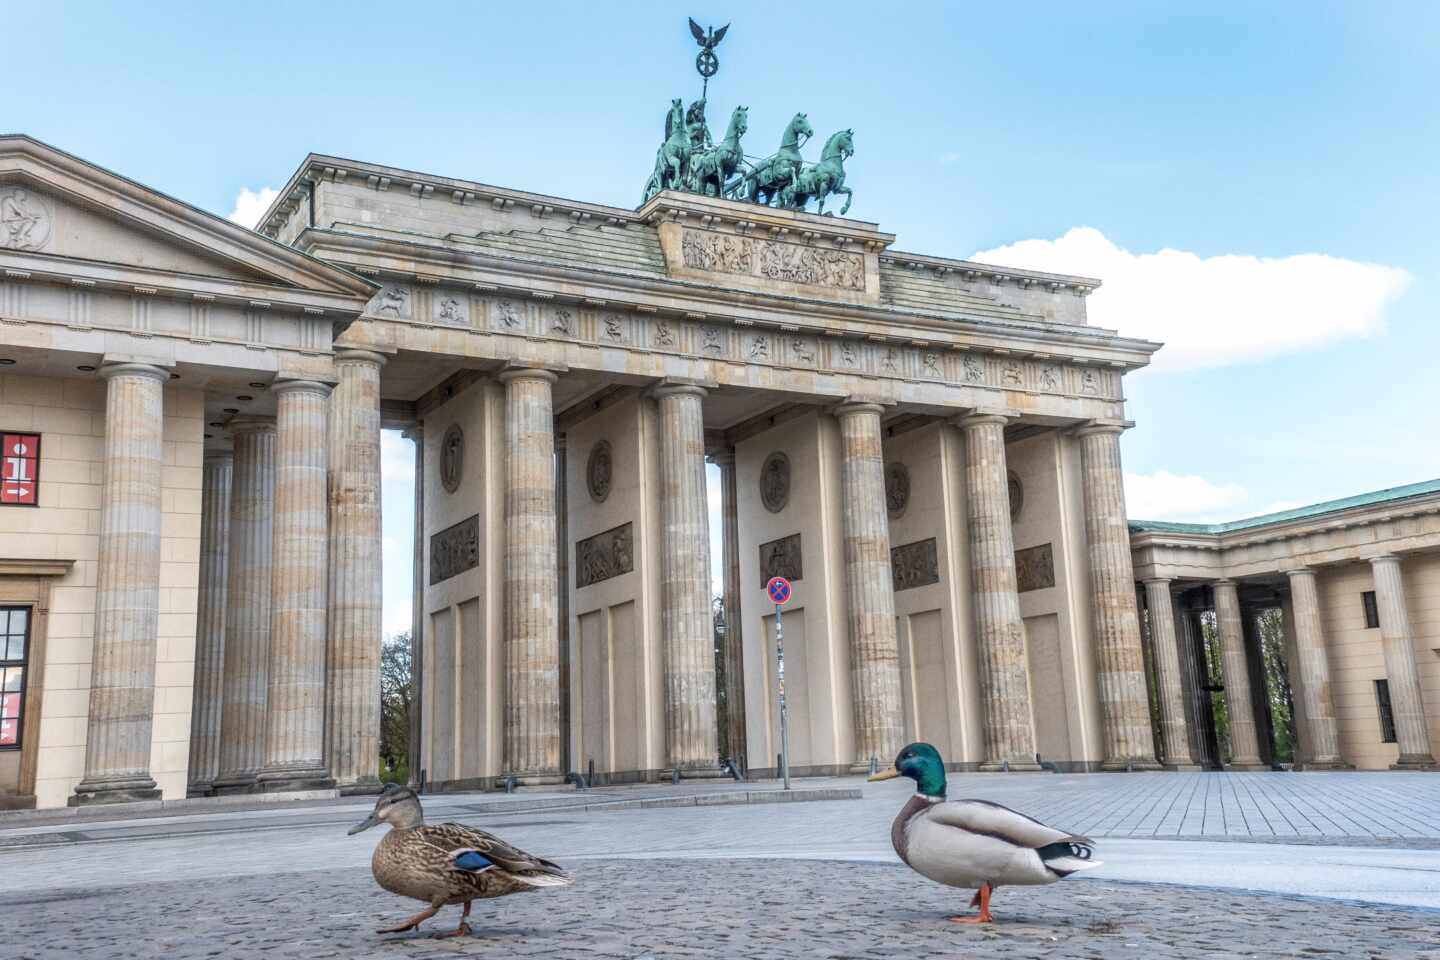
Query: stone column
[
  {"x": 1009, "y": 728},
  {"x": 686, "y": 623},
  {"x": 295, "y": 705},
  {"x": 733, "y": 649},
  {"x": 1129, "y": 740},
  {"x": 127, "y": 591},
  {"x": 417, "y": 613},
  {"x": 562, "y": 597},
  {"x": 1406, "y": 705},
  {"x": 532, "y": 643},
  {"x": 247, "y": 606},
  {"x": 353, "y": 682},
  {"x": 1169, "y": 681},
  {"x": 874, "y": 649},
  {"x": 1322, "y": 738},
  {"x": 209, "y": 689},
  {"x": 1244, "y": 742}
]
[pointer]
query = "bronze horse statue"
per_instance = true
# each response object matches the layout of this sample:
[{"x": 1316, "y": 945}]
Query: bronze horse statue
[
  {"x": 711, "y": 170},
  {"x": 773, "y": 174},
  {"x": 823, "y": 179},
  {"x": 672, "y": 160}
]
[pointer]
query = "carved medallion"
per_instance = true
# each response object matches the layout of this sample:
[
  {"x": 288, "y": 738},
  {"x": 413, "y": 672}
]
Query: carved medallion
[
  {"x": 781, "y": 558},
  {"x": 1035, "y": 568},
  {"x": 452, "y": 458},
  {"x": 597, "y": 471},
  {"x": 25, "y": 220},
  {"x": 604, "y": 555},
  {"x": 1017, "y": 494},
  {"x": 455, "y": 550},
  {"x": 775, "y": 482},
  {"x": 915, "y": 565},
  {"x": 897, "y": 488}
]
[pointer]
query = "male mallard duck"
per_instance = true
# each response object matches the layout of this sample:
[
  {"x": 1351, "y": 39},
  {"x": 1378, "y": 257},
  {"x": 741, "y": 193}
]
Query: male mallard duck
[
  {"x": 446, "y": 863},
  {"x": 975, "y": 843}
]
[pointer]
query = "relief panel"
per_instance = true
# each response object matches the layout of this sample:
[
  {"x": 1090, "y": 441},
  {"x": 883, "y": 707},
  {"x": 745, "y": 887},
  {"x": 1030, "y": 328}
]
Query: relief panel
[
  {"x": 605, "y": 555},
  {"x": 781, "y": 558},
  {"x": 1035, "y": 568},
  {"x": 915, "y": 564},
  {"x": 455, "y": 550}
]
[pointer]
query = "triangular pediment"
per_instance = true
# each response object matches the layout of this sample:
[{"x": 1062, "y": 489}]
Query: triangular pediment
[{"x": 59, "y": 208}]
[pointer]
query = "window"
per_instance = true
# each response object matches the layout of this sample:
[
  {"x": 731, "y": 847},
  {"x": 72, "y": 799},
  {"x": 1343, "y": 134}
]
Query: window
[
  {"x": 1372, "y": 612},
  {"x": 1387, "y": 716},
  {"x": 14, "y": 646},
  {"x": 20, "y": 469}
]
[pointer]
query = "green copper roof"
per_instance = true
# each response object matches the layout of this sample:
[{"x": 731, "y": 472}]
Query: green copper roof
[{"x": 1388, "y": 495}]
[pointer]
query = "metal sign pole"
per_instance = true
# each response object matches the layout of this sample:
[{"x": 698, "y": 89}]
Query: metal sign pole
[{"x": 784, "y": 717}]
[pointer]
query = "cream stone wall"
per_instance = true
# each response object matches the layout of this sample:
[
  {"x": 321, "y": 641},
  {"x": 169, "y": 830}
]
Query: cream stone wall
[
  {"x": 617, "y": 696},
  {"x": 464, "y": 676},
  {"x": 1357, "y": 660},
  {"x": 940, "y": 686},
  {"x": 817, "y": 660},
  {"x": 70, "y": 416}
]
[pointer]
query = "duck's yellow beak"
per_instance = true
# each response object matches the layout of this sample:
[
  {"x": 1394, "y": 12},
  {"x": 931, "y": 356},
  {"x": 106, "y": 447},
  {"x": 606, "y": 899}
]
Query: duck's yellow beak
[{"x": 889, "y": 773}]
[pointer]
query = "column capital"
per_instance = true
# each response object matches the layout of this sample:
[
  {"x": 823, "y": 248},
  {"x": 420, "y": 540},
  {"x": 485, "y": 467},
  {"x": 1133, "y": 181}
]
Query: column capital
[
  {"x": 355, "y": 355},
  {"x": 679, "y": 387},
  {"x": 1224, "y": 582},
  {"x": 1300, "y": 572},
  {"x": 1384, "y": 558},
  {"x": 983, "y": 415},
  {"x": 1100, "y": 426},
  {"x": 219, "y": 455},
  {"x": 251, "y": 425},
  {"x": 301, "y": 386},
  {"x": 1167, "y": 581},
  {"x": 147, "y": 371},
  {"x": 415, "y": 432},
  {"x": 723, "y": 458},
  {"x": 859, "y": 404},
  {"x": 517, "y": 370}
]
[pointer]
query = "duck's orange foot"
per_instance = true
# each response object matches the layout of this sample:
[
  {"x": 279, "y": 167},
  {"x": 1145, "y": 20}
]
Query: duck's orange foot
[
  {"x": 461, "y": 931},
  {"x": 981, "y": 900},
  {"x": 411, "y": 923},
  {"x": 977, "y": 918}
]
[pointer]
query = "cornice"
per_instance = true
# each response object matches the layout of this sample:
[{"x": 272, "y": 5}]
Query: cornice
[{"x": 780, "y": 312}]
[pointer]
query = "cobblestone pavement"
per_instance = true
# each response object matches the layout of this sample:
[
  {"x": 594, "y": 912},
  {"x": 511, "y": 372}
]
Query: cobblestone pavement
[{"x": 751, "y": 909}]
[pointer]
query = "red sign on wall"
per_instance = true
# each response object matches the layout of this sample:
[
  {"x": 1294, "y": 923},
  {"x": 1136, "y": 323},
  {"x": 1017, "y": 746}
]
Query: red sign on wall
[{"x": 20, "y": 468}]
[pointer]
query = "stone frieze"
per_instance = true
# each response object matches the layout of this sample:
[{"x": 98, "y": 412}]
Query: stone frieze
[
  {"x": 781, "y": 558},
  {"x": 605, "y": 555},
  {"x": 771, "y": 260},
  {"x": 915, "y": 565},
  {"x": 1035, "y": 568},
  {"x": 455, "y": 550}
]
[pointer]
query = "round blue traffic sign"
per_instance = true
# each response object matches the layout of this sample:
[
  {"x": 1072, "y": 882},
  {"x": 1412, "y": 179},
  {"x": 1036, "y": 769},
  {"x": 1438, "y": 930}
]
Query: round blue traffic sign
[{"x": 779, "y": 589}]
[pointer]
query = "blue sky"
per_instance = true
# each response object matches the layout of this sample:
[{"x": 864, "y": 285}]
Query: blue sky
[{"x": 1284, "y": 153}]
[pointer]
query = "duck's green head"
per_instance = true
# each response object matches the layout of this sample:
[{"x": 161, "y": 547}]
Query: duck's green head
[{"x": 921, "y": 763}]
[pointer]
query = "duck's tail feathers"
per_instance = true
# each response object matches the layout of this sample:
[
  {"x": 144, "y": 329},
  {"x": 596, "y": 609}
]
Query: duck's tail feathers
[
  {"x": 543, "y": 873},
  {"x": 1068, "y": 856}
]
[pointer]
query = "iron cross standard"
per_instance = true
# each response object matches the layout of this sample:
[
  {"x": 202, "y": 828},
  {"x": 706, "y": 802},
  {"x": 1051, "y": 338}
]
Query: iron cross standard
[{"x": 706, "y": 63}]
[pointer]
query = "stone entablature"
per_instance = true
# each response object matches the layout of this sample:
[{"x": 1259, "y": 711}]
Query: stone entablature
[
  {"x": 1343, "y": 535},
  {"x": 92, "y": 255}
]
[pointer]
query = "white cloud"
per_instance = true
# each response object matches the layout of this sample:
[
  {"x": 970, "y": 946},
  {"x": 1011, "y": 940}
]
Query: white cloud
[
  {"x": 1167, "y": 496},
  {"x": 1214, "y": 311},
  {"x": 250, "y": 205}
]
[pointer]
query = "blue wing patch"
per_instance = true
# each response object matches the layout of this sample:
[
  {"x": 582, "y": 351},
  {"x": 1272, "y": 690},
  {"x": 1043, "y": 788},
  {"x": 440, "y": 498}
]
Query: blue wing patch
[{"x": 473, "y": 861}]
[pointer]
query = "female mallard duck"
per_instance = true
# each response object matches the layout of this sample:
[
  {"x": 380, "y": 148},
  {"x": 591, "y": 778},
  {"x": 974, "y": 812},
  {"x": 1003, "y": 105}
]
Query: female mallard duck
[
  {"x": 975, "y": 843},
  {"x": 446, "y": 863}
]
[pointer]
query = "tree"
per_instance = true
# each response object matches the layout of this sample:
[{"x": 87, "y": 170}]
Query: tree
[{"x": 395, "y": 671}]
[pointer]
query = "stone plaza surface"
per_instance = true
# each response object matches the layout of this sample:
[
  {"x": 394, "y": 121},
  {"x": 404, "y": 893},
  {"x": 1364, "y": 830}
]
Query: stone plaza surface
[{"x": 1346, "y": 867}]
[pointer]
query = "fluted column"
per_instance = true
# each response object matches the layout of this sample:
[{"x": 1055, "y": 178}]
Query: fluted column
[
  {"x": 874, "y": 650},
  {"x": 1411, "y": 734},
  {"x": 532, "y": 639},
  {"x": 416, "y": 750},
  {"x": 353, "y": 681},
  {"x": 1168, "y": 678},
  {"x": 247, "y": 606},
  {"x": 733, "y": 648},
  {"x": 1128, "y": 738},
  {"x": 1322, "y": 733},
  {"x": 295, "y": 701},
  {"x": 1009, "y": 728},
  {"x": 127, "y": 591},
  {"x": 1244, "y": 742},
  {"x": 685, "y": 619},
  {"x": 209, "y": 691}
]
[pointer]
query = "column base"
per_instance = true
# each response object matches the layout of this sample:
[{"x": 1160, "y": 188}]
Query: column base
[
  {"x": 1010, "y": 766},
  {"x": 531, "y": 780},
  {"x": 1415, "y": 761},
  {"x": 117, "y": 790},
  {"x": 1315, "y": 765},
  {"x": 1130, "y": 766},
  {"x": 709, "y": 772},
  {"x": 285, "y": 781},
  {"x": 235, "y": 786},
  {"x": 1182, "y": 767},
  {"x": 199, "y": 790},
  {"x": 364, "y": 787},
  {"x": 1247, "y": 766}
]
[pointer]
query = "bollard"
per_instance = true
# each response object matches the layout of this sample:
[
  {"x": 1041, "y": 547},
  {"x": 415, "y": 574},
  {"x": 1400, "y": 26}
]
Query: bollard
[
  {"x": 874, "y": 765},
  {"x": 675, "y": 777},
  {"x": 1004, "y": 766},
  {"x": 590, "y": 774},
  {"x": 510, "y": 784}
]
